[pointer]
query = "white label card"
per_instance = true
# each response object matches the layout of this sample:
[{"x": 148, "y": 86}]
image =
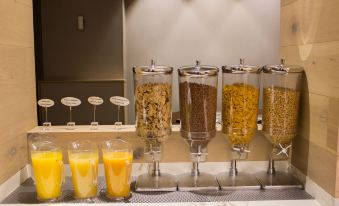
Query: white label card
[
  {"x": 95, "y": 100},
  {"x": 46, "y": 103},
  {"x": 119, "y": 101},
  {"x": 70, "y": 101}
]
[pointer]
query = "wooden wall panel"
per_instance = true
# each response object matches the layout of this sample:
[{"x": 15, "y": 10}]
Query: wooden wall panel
[
  {"x": 322, "y": 168},
  {"x": 16, "y": 23},
  {"x": 17, "y": 84},
  {"x": 309, "y": 37},
  {"x": 320, "y": 61},
  {"x": 309, "y": 21}
]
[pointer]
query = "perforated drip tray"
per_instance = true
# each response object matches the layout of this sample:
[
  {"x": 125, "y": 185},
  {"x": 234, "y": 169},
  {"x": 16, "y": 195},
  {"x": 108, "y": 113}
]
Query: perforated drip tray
[{"x": 26, "y": 194}]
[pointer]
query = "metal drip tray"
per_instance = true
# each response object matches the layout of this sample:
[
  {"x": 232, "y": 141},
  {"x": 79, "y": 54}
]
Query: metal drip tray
[{"x": 25, "y": 194}]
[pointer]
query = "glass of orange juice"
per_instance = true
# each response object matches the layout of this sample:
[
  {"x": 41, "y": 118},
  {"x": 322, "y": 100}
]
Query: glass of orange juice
[
  {"x": 117, "y": 156},
  {"x": 48, "y": 170},
  {"x": 83, "y": 160}
]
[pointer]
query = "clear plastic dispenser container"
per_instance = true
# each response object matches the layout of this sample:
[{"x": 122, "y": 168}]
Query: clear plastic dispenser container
[
  {"x": 153, "y": 112},
  {"x": 198, "y": 101},
  {"x": 281, "y": 96},
  {"x": 240, "y": 98}
]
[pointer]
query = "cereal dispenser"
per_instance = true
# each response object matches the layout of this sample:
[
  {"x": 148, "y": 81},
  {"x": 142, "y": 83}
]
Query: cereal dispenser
[
  {"x": 198, "y": 102},
  {"x": 280, "y": 116},
  {"x": 240, "y": 97},
  {"x": 153, "y": 112}
]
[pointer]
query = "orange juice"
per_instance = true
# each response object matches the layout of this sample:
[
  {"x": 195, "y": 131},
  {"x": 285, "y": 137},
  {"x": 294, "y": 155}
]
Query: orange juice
[
  {"x": 84, "y": 168},
  {"x": 48, "y": 171},
  {"x": 118, "y": 168}
]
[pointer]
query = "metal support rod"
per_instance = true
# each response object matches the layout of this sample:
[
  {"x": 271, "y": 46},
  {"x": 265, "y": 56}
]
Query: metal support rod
[
  {"x": 233, "y": 169},
  {"x": 46, "y": 115},
  {"x": 271, "y": 169},
  {"x": 94, "y": 110},
  {"x": 195, "y": 169},
  {"x": 70, "y": 114},
  {"x": 156, "y": 169},
  {"x": 118, "y": 113}
]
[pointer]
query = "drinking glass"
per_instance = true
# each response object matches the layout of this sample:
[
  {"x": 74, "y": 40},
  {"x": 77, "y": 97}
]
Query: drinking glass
[
  {"x": 117, "y": 156},
  {"x": 48, "y": 170},
  {"x": 83, "y": 160}
]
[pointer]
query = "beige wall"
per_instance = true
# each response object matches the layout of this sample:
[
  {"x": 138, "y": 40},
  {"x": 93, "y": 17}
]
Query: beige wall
[
  {"x": 310, "y": 37},
  {"x": 17, "y": 84},
  {"x": 217, "y": 32}
]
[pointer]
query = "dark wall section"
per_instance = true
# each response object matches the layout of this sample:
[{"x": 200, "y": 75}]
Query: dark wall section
[
  {"x": 79, "y": 63},
  {"x": 106, "y": 113},
  {"x": 94, "y": 53}
]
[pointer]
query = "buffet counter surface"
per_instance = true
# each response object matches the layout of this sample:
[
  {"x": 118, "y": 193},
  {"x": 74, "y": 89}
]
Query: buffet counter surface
[
  {"x": 24, "y": 193},
  {"x": 235, "y": 203},
  {"x": 20, "y": 189}
]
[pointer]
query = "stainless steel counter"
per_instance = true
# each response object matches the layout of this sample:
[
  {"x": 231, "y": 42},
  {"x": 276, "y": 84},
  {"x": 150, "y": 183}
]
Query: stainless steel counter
[{"x": 25, "y": 194}]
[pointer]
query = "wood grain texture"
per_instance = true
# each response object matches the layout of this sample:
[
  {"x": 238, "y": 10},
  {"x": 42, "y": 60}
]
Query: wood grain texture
[
  {"x": 309, "y": 21},
  {"x": 309, "y": 37},
  {"x": 321, "y": 124},
  {"x": 17, "y": 84},
  {"x": 322, "y": 168},
  {"x": 287, "y": 2},
  {"x": 315, "y": 147},
  {"x": 13, "y": 156},
  {"x": 320, "y": 61},
  {"x": 16, "y": 23},
  {"x": 317, "y": 162}
]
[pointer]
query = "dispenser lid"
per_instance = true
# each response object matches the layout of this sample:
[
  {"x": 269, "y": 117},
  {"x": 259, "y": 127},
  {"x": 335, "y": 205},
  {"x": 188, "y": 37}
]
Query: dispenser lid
[
  {"x": 241, "y": 68},
  {"x": 198, "y": 70},
  {"x": 152, "y": 69},
  {"x": 282, "y": 68}
]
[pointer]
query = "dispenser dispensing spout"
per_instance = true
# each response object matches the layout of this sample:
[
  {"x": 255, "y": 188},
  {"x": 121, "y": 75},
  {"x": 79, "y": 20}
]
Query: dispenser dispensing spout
[
  {"x": 152, "y": 65},
  {"x": 241, "y": 149},
  {"x": 241, "y": 65},
  {"x": 242, "y": 62},
  {"x": 197, "y": 65}
]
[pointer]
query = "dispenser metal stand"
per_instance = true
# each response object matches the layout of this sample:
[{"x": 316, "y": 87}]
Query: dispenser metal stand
[
  {"x": 241, "y": 91},
  {"x": 235, "y": 180},
  {"x": 282, "y": 87},
  {"x": 153, "y": 97},
  {"x": 196, "y": 180},
  {"x": 155, "y": 180},
  {"x": 273, "y": 179}
]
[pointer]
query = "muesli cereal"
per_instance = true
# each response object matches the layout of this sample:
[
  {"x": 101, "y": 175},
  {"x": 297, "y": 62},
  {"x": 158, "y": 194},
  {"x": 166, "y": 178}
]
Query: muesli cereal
[{"x": 153, "y": 110}]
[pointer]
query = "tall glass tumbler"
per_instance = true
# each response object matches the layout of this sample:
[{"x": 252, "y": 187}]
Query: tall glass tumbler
[
  {"x": 48, "y": 170},
  {"x": 117, "y": 156},
  {"x": 83, "y": 160}
]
